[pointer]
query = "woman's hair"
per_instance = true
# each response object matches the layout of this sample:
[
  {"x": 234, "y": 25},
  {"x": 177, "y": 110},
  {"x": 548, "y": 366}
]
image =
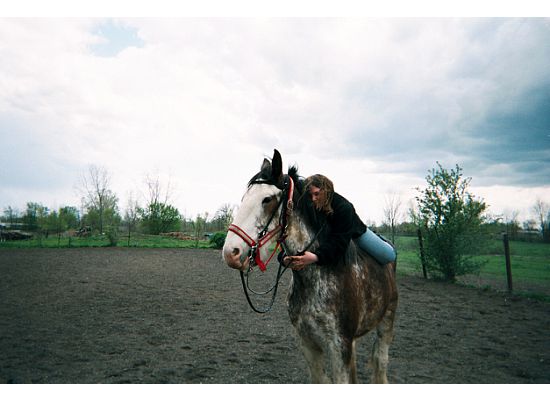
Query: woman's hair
[{"x": 327, "y": 188}]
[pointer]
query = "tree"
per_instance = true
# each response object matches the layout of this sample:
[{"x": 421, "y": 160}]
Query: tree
[
  {"x": 55, "y": 223},
  {"x": 530, "y": 225},
  {"x": 451, "y": 223},
  {"x": 102, "y": 221},
  {"x": 70, "y": 217},
  {"x": 159, "y": 216},
  {"x": 100, "y": 202},
  {"x": 11, "y": 215},
  {"x": 223, "y": 217},
  {"x": 156, "y": 190},
  {"x": 541, "y": 210},
  {"x": 510, "y": 219},
  {"x": 392, "y": 213},
  {"x": 200, "y": 224},
  {"x": 35, "y": 216},
  {"x": 131, "y": 215}
]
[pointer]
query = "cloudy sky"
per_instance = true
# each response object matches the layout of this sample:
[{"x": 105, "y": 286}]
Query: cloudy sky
[{"x": 372, "y": 103}]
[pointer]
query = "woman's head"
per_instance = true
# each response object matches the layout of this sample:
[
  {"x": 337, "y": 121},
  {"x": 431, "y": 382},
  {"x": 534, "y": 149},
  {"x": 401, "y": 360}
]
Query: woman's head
[{"x": 320, "y": 189}]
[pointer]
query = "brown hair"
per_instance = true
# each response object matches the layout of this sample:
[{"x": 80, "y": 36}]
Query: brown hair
[{"x": 327, "y": 188}]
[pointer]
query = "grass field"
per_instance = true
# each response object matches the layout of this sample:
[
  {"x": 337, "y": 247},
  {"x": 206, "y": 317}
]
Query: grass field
[
  {"x": 530, "y": 265},
  {"x": 136, "y": 240},
  {"x": 530, "y": 261}
]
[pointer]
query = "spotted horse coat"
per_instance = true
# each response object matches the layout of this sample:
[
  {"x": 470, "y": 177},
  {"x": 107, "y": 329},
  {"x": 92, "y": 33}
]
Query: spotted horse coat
[{"x": 330, "y": 306}]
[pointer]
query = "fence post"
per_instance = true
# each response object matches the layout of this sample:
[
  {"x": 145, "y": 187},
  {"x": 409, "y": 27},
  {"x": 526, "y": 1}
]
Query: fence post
[
  {"x": 419, "y": 232},
  {"x": 508, "y": 263}
]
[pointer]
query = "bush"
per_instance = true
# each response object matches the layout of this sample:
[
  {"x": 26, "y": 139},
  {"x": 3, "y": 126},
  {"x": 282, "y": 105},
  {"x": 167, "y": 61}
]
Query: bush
[
  {"x": 452, "y": 224},
  {"x": 160, "y": 218},
  {"x": 112, "y": 235},
  {"x": 217, "y": 240}
]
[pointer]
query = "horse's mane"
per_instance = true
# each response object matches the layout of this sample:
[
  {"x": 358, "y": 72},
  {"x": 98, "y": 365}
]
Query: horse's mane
[
  {"x": 302, "y": 203},
  {"x": 264, "y": 176},
  {"x": 293, "y": 173}
]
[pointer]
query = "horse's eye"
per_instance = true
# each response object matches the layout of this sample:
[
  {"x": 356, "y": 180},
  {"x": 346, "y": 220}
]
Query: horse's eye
[{"x": 266, "y": 200}]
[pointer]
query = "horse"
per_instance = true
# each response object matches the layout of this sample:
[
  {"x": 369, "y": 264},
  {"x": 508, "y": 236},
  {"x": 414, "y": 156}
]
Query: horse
[{"x": 330, "y": 306}]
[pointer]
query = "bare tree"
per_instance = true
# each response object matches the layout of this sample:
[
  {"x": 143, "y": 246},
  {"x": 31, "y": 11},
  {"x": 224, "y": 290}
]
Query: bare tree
[
  {"x": 157, "y": 193},
  {"x": 510, "y": 219},
  {"x": 200, "y": 225},
  {"x": 97, "y": 197},
  {"x": 158, "y": 215},
  {"x": 530, "y": 225},
  {"x": 10, "y": 214},
  {"x": 224, "y": 216},
  {"x": 541, "y": 210},
  {"x": 392, "y": 212},
  {"x": 131, "y": 215}
]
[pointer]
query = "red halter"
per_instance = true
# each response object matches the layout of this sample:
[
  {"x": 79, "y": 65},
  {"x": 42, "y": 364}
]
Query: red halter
[{"x": 264, "y": 237}]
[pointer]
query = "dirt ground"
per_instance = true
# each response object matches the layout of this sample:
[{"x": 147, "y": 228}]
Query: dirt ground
[{"x": 179, "y": 316}]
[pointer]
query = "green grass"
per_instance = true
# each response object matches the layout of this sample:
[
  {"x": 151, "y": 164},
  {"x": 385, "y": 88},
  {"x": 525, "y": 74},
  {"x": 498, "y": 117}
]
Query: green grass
[
  {"x": 530, "y": 261},
  {"x": 530, "y": 264},
  {"x": 137, "y": 240},
  {"x": 408, "y": 259}
]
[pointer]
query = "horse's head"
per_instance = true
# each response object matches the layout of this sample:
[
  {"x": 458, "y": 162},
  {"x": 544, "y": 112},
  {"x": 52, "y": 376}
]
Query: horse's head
[{"x": 257, "y": 220}]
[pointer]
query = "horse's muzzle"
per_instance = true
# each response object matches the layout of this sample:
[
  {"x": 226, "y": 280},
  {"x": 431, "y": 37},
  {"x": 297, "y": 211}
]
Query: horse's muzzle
[{"x": 235, "y": 258}]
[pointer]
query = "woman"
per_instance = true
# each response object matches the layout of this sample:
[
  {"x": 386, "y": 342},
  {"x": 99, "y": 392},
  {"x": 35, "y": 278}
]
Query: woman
[{"x": 335, "y": 213}]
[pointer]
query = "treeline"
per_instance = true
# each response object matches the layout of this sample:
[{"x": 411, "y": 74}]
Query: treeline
[
  {"x": 399, "y": 222},
  {"x": 527, "y": 232},
  {"x": 100, "y": 213},
  {"x": 155, "y": 219}
]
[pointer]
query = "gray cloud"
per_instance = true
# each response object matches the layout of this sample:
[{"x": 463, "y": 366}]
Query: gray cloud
[
  {"x": 391, "y": 96},
  {"x": 490, "y": 107}
]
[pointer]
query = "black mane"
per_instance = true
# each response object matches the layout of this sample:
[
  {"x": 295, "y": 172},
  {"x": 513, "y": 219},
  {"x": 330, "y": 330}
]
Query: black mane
[
  {"x": 293, "y": 173},
  {"x": 265, "y": 176},
  {"x": 301, "y": 202}
]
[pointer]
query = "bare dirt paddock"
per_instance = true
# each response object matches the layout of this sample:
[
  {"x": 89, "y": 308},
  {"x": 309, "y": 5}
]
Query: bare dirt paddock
[{"x": 179, "y": 316}]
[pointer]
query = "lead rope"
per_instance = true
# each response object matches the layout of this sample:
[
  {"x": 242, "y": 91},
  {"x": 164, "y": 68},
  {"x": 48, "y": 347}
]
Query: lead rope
[
  {"x": 274, "y": 288},
  {"x": 246, "y": 287}
]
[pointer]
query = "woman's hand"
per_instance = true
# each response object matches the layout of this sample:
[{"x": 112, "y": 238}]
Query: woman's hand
[{"x": 300, "y": 262}]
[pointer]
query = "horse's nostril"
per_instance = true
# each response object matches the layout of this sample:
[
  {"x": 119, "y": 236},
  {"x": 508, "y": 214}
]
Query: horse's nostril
[{"x": 236, "y": 251}]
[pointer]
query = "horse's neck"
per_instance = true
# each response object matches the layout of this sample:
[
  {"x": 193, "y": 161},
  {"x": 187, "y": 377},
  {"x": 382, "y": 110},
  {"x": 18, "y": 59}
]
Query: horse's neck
[{"x": 300, "y": 235}]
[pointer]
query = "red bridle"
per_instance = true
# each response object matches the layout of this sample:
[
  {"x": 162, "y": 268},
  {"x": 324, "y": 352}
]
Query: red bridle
[{"x": 264, "y": 237}]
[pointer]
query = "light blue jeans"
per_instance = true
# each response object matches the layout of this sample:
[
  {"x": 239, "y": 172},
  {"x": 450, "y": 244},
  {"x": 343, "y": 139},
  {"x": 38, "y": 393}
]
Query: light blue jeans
[{"x": 377, "y": 247}]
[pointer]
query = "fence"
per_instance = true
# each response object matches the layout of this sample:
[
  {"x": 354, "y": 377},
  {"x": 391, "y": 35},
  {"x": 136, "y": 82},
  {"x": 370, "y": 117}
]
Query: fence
[{"x": 513, "y": 266}]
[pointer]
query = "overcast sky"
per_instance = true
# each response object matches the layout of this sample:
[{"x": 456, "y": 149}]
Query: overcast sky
[{"x": 371, "y": 103}]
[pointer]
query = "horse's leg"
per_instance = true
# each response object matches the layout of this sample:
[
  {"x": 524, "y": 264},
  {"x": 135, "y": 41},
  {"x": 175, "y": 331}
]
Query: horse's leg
[
  {"x": 315, "y": 360},
  {"x": 342, "y": 358},
  {"x": 353, "y": 364},
  {"x": 380, "y": 348}
]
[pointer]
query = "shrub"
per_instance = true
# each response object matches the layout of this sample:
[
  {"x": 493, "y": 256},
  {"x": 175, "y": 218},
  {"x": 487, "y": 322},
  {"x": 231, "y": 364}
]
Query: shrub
[
  {"x": 160, "y": 218},
  {"x": 217, "y": 240},
  {"x": 112, "y": 235},
  {"x": 451, "y": 222}
]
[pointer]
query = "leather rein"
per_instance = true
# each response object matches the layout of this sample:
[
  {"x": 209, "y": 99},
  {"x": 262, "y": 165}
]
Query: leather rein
[{"x": 264, "y": 237}]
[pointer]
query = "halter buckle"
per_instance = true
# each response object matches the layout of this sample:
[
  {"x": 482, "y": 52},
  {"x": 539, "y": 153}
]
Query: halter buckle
[
  {"x": 252, "y": 255},
  {"x": 289, "y": 206}
]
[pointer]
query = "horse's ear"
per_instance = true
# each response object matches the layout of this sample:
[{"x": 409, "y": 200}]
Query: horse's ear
[
  {"x": 266, "y": 167},
  {"x": 277, "y": 166}
]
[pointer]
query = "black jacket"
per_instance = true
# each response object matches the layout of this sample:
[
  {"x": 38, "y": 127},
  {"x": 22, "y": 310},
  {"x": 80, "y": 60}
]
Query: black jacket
[{"x": 339, "y": 228}]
